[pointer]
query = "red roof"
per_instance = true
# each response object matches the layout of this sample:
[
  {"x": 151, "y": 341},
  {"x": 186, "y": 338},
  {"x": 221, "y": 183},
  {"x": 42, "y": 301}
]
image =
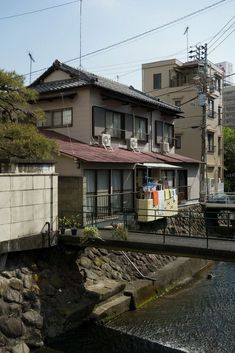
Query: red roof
[{"x": 98, "y": 154}]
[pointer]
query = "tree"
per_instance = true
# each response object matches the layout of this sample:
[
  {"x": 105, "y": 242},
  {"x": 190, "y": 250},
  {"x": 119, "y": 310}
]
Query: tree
[
  {"x": 229, "y": 158},
  {"x": 19, "y": 136}
]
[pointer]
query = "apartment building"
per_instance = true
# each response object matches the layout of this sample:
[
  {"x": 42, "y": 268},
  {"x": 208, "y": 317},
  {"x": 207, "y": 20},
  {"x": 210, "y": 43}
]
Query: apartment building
[
  {"x": 182, "y": 84},
  {"x": 229, "y": 106}
]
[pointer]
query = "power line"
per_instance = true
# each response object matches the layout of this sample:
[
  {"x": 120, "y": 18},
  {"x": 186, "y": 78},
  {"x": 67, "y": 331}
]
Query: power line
[
  {"x": 149, "y": 31},
  {"x": 220, "y": 30},
  {"x": 36, "y": 11},
  {"x": 222, "y": 34},
  {"x": 136, "y": 36},
  {"x": 221, "y": 41}
]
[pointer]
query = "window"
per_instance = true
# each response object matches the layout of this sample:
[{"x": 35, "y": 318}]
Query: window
[
  {"x": 158, "y": 132},
  {"x": 157, "y": 81},
  {"x": 210, "y": 108},
  {"x": 178, "y": 141},
  {"x": 219, "y": 145},
  {"x": 164, "y": 133},
  {"x": 141, "y": 129},
  {"x": 210, "y": 142},
  {"x": 57, "y": 118},
  {"x": 109, "y": 191},
  {"x": 178, "y": 103},
  {"x": 219, "y": 115},
  {"x": 107, "y": 121},
  {"x": 169, "y": 134}
]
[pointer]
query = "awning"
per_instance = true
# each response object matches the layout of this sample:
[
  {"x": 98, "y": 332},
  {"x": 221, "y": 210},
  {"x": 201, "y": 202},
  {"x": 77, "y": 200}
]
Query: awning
[{"x": 159, "y": 165}]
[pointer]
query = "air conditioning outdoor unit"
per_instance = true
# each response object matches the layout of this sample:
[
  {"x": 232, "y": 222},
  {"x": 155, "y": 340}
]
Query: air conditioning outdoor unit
[
  {"x": 132, "y": 143},
  {"x": 105, "y": 140},
  {"x": 165, "y": 147}
]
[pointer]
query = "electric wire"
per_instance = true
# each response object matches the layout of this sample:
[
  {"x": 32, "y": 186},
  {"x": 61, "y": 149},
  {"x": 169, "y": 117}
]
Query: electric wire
[
  {"x": 220, "y": 30},
  {"x": 140, "y": 34},
  {"x": 39, "y": 10},
  {"x": 221, "y": 42},
  {"x": 137, "y": 36}
]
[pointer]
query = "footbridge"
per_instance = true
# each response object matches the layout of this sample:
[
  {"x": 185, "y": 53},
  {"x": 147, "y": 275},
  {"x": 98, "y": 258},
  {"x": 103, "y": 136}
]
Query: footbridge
[{"x": 217, "y": 249}]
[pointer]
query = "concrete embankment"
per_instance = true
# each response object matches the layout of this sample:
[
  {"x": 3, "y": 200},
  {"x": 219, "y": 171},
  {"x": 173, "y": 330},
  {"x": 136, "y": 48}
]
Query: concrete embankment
[
  {"x": 139, "y": 292},
  {"x": 46, "y": 293}
]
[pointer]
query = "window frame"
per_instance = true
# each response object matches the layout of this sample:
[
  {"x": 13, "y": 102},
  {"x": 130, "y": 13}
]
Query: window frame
[
  {"x": 157, "y": 81},
  {"x": 52, "y": 113},
  {"x": 121, "y": 133}
]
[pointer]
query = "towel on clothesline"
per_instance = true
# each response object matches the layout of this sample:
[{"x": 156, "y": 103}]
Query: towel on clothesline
[{"x": 155, "y": 198}]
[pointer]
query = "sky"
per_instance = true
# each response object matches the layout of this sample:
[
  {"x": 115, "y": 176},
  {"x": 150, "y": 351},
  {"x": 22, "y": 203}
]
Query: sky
[{"x": 55, "y": 34}]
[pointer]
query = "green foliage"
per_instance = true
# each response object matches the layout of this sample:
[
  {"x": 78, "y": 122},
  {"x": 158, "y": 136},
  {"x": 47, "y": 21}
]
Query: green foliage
[
  {"x": 64, "y": 223},
  {"x": 120, "y": 232},
  {"x": 229, "y": 158},
  {"x": 24, "y": 141},
  {"x": 19, "y": 136},
  {"x": 74, "y": 221},
  {"x": 90, "y": 232}
]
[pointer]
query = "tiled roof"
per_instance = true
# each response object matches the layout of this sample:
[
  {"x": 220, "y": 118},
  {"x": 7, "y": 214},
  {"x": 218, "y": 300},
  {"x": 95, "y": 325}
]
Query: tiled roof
[
  {"x": 81, "y": 78},
  {"x": 98, "y": 154}
]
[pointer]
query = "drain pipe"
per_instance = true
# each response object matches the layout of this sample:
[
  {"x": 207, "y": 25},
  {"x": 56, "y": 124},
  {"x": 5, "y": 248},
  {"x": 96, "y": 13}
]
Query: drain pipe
[{"x": 136, "y": 268}]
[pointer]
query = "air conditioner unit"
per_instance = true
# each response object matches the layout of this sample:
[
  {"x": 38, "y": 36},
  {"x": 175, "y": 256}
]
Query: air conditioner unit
[
  {"x": 105, "y": 140},
  {"x": 165, "y": 147},
  {"x": 132, "y": 143}
]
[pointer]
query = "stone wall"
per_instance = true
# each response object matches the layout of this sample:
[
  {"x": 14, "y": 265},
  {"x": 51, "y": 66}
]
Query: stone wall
[{"x": 46, "y": 293}]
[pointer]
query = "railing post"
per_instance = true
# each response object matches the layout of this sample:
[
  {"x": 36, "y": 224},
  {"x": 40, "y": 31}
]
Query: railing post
[
  {"x": 189, "y": 224},
  {"x": 228, "y": 220}
]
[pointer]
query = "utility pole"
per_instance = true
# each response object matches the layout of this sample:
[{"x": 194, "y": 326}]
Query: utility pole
[{"x": 200, "y": 55}]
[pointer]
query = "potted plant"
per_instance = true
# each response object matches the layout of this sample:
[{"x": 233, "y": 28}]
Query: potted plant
[
  {"x": 90, "y": 232},
  {"x": 63, "y": 224},
  {"x": 120, "y": 231},
  {"x": 74, "y": 224}
]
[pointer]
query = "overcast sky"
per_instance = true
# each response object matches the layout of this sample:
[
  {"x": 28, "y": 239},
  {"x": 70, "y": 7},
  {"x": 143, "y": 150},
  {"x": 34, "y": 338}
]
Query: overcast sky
[{"x": 54, "y": 34}]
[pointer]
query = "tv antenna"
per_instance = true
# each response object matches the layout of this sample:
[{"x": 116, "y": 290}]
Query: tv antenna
[{"x": 31, "y": 60}]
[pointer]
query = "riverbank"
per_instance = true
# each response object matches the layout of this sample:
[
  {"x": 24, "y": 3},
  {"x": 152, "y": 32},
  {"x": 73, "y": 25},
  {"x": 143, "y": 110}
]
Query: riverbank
[
  {"x": 44, "y": 294},
  {"x": 137, "y": 293}
]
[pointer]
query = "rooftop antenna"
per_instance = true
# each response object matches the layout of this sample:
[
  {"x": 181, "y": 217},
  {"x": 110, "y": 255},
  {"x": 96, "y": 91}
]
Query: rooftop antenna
[
  {"x": 186, "y": 32},
  {"x": 31, "y": 59},
  {"x": 80, "y": 55}
]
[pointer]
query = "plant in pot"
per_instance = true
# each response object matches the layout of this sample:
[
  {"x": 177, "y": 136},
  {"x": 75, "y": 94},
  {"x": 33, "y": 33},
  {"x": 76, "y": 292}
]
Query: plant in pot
[
  {"x": 74, "y": 224},
  {"x": 120, "y": 231},
  {"x": 90, "y": 232},
  {"x": 63, "y": 224}
]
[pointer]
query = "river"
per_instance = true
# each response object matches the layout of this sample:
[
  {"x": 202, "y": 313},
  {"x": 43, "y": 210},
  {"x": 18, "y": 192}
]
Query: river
[{"x": 196, "y": 319}]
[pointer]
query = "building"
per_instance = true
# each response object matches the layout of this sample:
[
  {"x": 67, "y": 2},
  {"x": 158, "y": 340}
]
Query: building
[
  {"x": 196, "y": 135},
  {"x": 229, "y": 106},
  {"x": 227, "y": 68},
  {"x": 112, "y": 140}
]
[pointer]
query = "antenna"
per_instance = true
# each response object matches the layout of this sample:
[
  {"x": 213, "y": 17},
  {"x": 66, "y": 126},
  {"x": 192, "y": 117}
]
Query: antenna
[
  {"x": 31, "y": 59},
  {"x": 80, "y": 54},
  {"x": 186, "y": 32}
]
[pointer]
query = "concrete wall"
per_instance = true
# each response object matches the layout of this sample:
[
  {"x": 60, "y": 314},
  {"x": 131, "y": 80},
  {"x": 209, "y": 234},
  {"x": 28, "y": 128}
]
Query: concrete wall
[
  {"x": 71, "y": 193},
  {"x": 27, "y": 202}
]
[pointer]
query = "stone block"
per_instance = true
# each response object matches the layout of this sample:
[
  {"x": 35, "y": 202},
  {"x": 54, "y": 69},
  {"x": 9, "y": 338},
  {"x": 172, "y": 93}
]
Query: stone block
[
  {"x": 5, "y": 216},
  {"x": 16, "y": 198},
  {"x": 39, "y": 211},
  {"x": 17, "y": 230},
  {"x": 47, "y": 181},
  {"x": 112, "y": 308},
  {"x": 22, "y": 182},
  {"x": 5, "y": 197},
  {"x": 5, "y": 232},
  {"x": 5, "y": 183},
  {"x": 140, "y": 291},
  {"x": 38, "y": 182},
  {"x": 28, "y": 198},
  {"x": 38, "y": 197}
]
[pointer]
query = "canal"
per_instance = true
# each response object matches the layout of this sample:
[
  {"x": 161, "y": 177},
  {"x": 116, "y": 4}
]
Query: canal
[{"x": 199, "y": 318}]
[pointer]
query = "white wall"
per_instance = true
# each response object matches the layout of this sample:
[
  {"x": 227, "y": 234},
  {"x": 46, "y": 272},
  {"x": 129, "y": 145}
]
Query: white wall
[{"x": 27, "y": 202}]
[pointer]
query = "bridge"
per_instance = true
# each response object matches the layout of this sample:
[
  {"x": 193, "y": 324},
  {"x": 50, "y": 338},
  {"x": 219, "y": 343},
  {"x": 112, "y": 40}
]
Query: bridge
[{"x": 217, "y": 249}]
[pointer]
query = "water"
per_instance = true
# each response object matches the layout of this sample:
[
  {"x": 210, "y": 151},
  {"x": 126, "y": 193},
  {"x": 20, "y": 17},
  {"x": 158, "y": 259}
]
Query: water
[{"x": 198, "y": 319}]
